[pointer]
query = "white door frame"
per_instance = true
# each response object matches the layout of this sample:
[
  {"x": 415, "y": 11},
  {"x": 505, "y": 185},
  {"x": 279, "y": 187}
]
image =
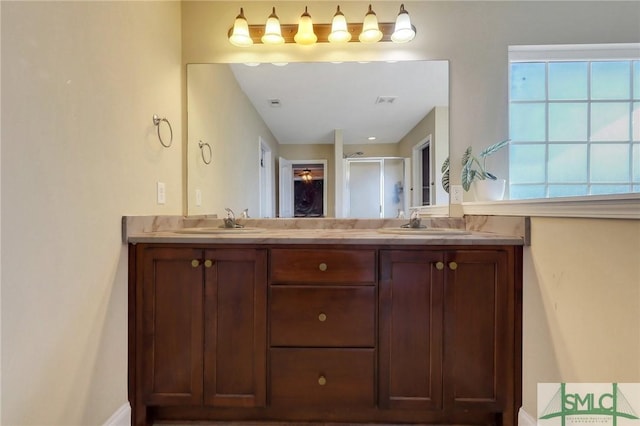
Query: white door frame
[
  {"x": 286, "y": 196},
  {"x": 416, "y": 184},
  {"x": 406, "y": 181},
  {"x": 266, "y": 178}
]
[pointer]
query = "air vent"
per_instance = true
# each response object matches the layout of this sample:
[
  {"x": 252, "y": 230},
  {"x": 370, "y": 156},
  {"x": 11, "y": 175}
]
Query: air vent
[
  {"x": 274, "y": 103},
  {"x": 386, "y": 99}
]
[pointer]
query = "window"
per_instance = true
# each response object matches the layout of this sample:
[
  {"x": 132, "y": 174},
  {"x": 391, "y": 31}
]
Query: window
[{"x": 574, "y": 120}]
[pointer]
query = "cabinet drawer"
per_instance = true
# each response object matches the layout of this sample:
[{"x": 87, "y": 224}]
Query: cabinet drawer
[
  {"x": 322, "y": 377},
  {"x": 292, "y": 266},
  {"x": 322, "y": 316}
]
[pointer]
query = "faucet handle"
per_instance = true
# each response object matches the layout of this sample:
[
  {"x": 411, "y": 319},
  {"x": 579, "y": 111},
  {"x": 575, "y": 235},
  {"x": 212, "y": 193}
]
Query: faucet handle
[
  {"x": 230, "y": 213},
  {"x": 245, "y": 214}
]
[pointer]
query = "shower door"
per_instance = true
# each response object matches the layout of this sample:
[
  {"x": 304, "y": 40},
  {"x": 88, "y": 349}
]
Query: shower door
[{"x": 375, "y": 187}]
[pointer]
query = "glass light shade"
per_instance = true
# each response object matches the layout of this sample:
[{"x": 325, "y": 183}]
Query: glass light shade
[
  {"x": 370, "y": 31},
  {"x": 305, "y": 34},
  {"x": 403, "y": 31},
  {"x": 240, "y": 36},
  {"x": 272, "y": 32},
  {"x": 339, "y": 32},
  {"x": 306, "y": 176}
]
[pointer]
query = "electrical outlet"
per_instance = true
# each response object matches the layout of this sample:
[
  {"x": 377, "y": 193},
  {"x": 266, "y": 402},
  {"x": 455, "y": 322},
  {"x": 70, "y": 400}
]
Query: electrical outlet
[
  {"x": 198, "y": 198},
  {"x": 161, "y": 192},
  {"x": 456, "y": 194}
]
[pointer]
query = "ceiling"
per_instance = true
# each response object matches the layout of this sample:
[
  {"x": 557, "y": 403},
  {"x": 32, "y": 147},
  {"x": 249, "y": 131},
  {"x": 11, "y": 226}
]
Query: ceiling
[{"x": 380, "y": 99}]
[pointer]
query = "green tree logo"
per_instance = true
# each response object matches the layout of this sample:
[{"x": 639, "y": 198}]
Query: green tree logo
[{"x": 565, "y": 404}]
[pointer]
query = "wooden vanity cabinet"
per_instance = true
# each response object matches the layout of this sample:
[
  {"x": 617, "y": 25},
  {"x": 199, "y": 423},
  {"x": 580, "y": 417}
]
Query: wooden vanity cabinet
[
  {"x": 411, "y": 335},
  {"x": 322, "y": 310},
  {"x": 199, "y": 321},
  {"x": 450, "y": 330},
  {"x": 340, "y": 333}
]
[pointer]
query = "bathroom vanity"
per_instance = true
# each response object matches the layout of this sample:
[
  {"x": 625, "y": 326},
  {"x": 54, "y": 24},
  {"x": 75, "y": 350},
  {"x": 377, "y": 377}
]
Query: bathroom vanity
[{"x": 325, "y": 326}]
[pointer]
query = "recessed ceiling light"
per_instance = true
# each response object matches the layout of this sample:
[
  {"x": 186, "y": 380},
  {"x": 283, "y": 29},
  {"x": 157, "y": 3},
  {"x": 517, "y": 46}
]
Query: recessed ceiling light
[{"x": 372, "y": 138}]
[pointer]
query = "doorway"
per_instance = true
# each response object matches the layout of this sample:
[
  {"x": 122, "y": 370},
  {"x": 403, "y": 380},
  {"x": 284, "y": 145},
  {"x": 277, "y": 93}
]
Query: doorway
[
  {"x": 303, "y": 188},
  {"x": 422, "y": 174},
  {"x": 374, "y": 187},
  {"x": 265, "y": 180}
]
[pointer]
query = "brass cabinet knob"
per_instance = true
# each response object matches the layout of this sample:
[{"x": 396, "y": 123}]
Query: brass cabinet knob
[
  {"x": 439, "y": 266},
  {"x": 195, "y": 263},
  {"x": 322, "y": 267},
  {"x": 453, "y": 266},
  {"x": 322, "y": 317},
  {"x": 208, "y": 263},
  {"x": 322, "y": 380}
]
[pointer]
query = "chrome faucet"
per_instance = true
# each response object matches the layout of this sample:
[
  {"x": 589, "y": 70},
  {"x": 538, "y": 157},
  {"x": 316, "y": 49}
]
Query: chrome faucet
[
  {"x": 414, "y": 220},
  {"x": 230, "y": 220}
]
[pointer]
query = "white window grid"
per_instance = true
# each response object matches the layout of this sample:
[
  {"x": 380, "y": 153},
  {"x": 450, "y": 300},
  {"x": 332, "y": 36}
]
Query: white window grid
[{"x": 588, "y": 54}]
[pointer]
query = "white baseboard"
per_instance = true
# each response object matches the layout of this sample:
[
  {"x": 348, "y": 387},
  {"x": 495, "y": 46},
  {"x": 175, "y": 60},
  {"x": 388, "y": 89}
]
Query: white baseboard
[
  {"x": 526, "y": 419},
  {"x": 122, "y": 416}
]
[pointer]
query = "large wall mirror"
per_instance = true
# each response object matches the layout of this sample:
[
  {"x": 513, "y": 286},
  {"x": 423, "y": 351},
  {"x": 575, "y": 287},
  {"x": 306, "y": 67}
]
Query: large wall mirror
[{"x": 374, "y": 133}]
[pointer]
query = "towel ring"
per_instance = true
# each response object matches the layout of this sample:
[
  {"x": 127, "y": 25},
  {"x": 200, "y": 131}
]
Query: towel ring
[
  {"x": 156, "y": 122},
  {"x": 202, "y": 145}
]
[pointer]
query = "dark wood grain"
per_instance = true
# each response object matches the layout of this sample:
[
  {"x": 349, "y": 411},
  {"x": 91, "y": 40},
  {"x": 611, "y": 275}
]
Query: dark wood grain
[{"x": 348, "y": 316}]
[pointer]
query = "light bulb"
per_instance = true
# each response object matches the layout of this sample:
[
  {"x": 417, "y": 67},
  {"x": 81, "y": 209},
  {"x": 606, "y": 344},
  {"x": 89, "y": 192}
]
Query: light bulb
[
  {"x": 240, "y": 35},
  {"x": 272, "y": 32},
  {"x": 339, "y": 31},
  {"x": 370, "y": 31},
  {"x": 305, "y": 34},
  {"x": 403, "y": 31}
]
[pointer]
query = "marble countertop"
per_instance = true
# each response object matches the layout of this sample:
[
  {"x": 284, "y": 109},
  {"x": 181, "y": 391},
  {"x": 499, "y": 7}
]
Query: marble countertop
[{"x": 185, "y": 230}]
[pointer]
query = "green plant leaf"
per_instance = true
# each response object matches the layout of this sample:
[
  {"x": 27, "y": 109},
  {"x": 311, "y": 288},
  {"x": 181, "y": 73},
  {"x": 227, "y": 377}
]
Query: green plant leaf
[
  {"x": 466, "y": 156},
  {"x": 445, "y": 166},
  {"x": 445, "y": 175},
  {"x": 493, "y": 148},
  {"x": 468, "y": 174}
]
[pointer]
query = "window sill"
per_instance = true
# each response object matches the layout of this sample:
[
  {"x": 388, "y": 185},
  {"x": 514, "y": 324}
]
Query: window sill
[{"x": 618, "y": 206}]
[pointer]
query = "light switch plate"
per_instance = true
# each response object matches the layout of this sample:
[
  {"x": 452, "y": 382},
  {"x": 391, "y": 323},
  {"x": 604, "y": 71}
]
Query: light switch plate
[
  {"x": 162, "y": 195},
  {"x": 456, "y": 194},
  {"x": 198, "y": 198}
]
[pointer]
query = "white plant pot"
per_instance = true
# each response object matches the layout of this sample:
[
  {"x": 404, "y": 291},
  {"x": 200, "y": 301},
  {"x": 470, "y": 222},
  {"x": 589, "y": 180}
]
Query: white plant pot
[{"x": 489, "y": 190}]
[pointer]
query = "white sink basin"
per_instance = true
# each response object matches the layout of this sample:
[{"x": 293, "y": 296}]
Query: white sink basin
[
  {"x": 423, "y": 231},
  {"x": 246, "y": 230}
]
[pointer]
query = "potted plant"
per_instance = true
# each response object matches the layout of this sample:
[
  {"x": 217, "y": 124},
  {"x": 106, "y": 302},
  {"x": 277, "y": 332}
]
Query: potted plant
[{"x": 474, "y": 172}]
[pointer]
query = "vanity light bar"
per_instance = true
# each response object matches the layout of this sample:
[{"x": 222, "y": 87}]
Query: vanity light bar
[
  {"x": 305, "y": 32},
  {"x": 322, "y": 31}
]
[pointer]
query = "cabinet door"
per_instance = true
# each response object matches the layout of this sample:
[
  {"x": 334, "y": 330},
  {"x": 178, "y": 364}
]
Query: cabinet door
[
  {"x": 410, "y": 324},
  {"x": 477, "y": 339},
  {"x": 235, "y": 330},
  {"x": 171, "y": 360}
]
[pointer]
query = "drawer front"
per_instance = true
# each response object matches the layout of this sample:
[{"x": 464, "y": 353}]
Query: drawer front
[
  {"x": 322, "y": 377},
  {"x": 292, "y": 266},
  {"x": 322, "y": 316}
]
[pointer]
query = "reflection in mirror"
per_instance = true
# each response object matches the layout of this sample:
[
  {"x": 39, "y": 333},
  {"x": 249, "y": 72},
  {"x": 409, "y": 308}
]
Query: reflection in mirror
[{"x": 304, "y": 112}]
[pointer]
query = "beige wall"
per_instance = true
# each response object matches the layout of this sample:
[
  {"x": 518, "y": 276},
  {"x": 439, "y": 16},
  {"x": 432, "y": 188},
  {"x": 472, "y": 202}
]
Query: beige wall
[
  {"x": 221, "y": 115},
  {"x": 80, "y": 84},
  {"x": 436, "y": 126},
  {"x": 372, "y": 150},
  {"x": 582, "y": 303}
]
